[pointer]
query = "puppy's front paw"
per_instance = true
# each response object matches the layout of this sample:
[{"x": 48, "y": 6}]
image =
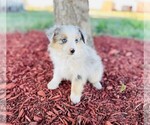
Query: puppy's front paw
[
  {"x": 52, "y": 85},
  {"x": 97, "y": 85},
  {"x": 75, "y": 98}
]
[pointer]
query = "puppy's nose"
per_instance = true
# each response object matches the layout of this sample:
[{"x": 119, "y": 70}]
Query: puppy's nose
[{"x": 72, "y": 51}]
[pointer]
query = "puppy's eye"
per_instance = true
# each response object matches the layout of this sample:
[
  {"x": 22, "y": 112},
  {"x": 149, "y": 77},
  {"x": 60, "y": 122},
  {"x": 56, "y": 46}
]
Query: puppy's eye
[
  {"x": 64, "y": 40},
  {"x": 76, "y": 40}
]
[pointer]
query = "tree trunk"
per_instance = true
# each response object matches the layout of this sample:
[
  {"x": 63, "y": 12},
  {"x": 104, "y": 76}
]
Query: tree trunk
[{"x": 74, "y": 12}]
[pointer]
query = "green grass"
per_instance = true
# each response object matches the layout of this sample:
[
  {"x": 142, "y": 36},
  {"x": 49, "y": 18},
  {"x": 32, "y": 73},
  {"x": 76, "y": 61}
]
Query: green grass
[
  {"x": 119, "y": 27},
  {"x": 25, "y": 21}
]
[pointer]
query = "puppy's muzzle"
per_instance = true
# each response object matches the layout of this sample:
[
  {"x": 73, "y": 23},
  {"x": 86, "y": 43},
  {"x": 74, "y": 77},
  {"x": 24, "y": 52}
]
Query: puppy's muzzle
[{"x": 72, "y": 51}]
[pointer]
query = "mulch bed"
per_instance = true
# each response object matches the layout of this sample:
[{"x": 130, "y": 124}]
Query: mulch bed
[{"x": 29, "y": 69}]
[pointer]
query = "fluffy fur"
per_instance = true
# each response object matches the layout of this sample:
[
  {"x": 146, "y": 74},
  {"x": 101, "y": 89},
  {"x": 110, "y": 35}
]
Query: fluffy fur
[{"x": 73, "y": 60}]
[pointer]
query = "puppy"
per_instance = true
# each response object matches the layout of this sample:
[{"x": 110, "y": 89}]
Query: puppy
[{"x": 73, "y": 60}]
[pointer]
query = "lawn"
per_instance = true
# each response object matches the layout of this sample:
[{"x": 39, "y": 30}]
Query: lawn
[
  {"x": 120, "y": 27},
  {"x": 25, "y": 21}
]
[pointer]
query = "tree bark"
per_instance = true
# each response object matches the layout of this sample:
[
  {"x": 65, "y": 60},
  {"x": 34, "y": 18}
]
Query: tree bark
[{"x": 74, "y": 12}]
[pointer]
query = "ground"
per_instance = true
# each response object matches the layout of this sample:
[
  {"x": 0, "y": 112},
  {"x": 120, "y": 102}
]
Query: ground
[{"x": 29, "y": 69}]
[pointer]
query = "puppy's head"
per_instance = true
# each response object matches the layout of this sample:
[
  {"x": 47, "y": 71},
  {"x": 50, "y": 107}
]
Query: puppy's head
[{"x": 66, "y": 39}]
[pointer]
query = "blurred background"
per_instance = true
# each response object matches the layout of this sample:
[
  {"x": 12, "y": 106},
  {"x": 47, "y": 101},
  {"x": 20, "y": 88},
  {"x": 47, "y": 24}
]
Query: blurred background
[{"x": 120, "y": 18}]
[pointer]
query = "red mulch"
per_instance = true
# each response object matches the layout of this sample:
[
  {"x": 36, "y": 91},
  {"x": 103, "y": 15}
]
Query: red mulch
[{"x": 29, "y": 69}]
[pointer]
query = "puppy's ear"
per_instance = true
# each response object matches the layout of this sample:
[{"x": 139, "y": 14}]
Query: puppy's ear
[
  {"x": 51, "y": 32},
  {"x": 83, "y": 35}
]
